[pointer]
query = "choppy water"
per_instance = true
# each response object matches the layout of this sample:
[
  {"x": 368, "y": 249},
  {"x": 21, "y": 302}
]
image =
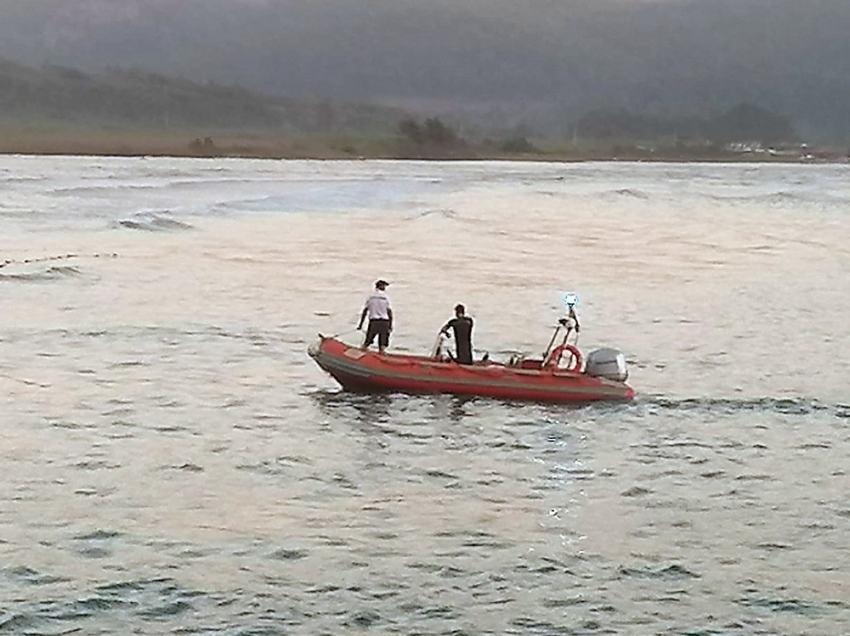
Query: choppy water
[{"x": 172, "y": 462}]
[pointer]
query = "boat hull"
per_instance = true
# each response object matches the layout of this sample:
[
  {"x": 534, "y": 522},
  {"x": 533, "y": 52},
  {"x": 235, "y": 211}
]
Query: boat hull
[{"x": 367, "y": 371}]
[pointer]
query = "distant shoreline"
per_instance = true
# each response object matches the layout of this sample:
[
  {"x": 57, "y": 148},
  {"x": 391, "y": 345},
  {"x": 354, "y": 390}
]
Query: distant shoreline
[{"x": 186, "y": 144}]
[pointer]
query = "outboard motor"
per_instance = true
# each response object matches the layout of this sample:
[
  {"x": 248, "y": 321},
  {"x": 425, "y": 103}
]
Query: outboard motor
[{"x": 607, "y": 363}]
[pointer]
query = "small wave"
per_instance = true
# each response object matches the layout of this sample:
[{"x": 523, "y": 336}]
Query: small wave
[
  {"x": 791, "y": 605},
  {"x": 101, "y": 604},
  {"x": 630, "y": 193},
  {"x": 22, "y": 179},
  {"x": 29, "y": 576},
  {"x": 49, "y": 274},
  {"x": 288, "y": 554},
  {"x": 778, "y": 198},
  {"x": 17, "y": 623},
  {"x": 782, "y": 406},
  {"x": 784, "y": 196},
  {"x": 188, "y": 467},
  {"x": 444, "y": 213},
  {"x": 154, "y": 222},
  {"x": 672, "y": 572},
  {"x": 167, "y": 610},
  {"x": 280, "y": 466},
  {"x": 96, "y": 189},
  {"x": 98, "y": 535}
]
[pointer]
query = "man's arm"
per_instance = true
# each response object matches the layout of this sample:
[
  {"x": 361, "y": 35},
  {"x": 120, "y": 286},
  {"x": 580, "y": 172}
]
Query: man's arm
[
  {"x": 362, "y": 318},
  {"x": 390, "y": 314}
]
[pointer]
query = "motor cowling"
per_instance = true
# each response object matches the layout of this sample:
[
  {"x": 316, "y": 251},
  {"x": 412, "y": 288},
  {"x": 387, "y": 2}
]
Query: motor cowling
[{"x": 607, "y": 363}]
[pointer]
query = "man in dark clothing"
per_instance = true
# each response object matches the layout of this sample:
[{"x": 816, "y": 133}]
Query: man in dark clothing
[{"x": 461, "y": 324}]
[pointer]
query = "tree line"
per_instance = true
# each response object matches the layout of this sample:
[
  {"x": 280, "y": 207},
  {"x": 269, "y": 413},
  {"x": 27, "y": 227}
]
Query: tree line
[
  {"x": 134, "y": 98},
  {"x": 744, "y": 123}
]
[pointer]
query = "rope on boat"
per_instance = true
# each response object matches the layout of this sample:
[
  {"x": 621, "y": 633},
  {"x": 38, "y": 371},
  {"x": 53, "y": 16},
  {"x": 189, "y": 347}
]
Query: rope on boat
[{"x": 344, "y": 333}]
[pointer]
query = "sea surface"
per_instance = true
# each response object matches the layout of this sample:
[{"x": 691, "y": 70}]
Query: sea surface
[{"x": 172, "y": 462}]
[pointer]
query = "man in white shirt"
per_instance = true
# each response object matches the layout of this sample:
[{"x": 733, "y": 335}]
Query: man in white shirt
[{"x": 380, "y": 315}]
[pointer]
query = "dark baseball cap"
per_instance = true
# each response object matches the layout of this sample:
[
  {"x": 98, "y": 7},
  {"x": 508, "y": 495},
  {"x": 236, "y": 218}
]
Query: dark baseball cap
[{"x": 381, "y": 283}]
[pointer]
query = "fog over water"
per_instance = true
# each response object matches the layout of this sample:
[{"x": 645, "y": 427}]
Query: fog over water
[{"x": 173, "y": 462}]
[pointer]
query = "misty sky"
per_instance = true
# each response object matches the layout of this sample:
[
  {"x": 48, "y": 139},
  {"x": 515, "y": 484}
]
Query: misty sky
[{"x": 551, "y": 58}]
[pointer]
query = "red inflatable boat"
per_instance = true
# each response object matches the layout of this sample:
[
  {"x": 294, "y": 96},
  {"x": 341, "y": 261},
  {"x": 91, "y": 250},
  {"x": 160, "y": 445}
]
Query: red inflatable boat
[{"x": 601, "y": 377}]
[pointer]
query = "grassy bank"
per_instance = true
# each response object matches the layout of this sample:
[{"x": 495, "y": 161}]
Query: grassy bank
[
  {"x": 263, "y": 145},
  {"x": 182, "y": 143}
]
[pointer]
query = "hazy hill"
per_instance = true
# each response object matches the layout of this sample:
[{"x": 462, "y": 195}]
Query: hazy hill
[
  {"x": 542, "y": 62},
  {"x": 136, "y": 99}
]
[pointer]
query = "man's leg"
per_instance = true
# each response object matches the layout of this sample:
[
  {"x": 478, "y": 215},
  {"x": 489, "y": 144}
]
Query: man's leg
[
  {"x": 384, "y": 336},
  {"x": 371, "y": 332}
]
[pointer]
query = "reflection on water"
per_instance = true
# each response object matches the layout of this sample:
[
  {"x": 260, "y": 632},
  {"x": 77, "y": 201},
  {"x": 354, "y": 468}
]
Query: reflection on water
[{"x": 176, "y": 463}]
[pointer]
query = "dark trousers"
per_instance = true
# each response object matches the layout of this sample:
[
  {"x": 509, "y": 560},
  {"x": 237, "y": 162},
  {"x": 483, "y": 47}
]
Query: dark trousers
[
  {"x": 464, "y": 353},
  {"x": 378, "y": 327}
]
